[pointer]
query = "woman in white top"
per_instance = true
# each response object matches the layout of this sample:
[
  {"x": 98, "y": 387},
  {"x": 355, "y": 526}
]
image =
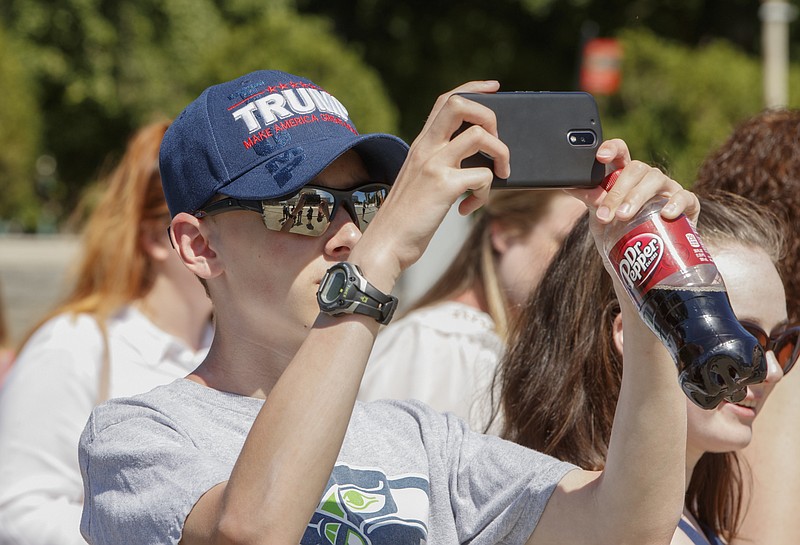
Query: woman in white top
[
  {"x": 445, "y": 349},
  {"x": 135, "y": 318}
]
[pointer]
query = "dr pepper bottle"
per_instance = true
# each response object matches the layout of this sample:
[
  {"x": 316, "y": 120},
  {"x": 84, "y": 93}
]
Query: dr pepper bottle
[{"x": 680, "y": 295}]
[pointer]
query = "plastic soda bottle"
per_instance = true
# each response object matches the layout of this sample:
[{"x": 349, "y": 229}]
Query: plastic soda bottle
[{"x": 680, "y": 295}]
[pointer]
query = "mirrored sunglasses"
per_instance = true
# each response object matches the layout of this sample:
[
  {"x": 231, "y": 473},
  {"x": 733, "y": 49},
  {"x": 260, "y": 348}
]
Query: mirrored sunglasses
[
  {"x": 311, "y": 210},
  {"x": 784, "y": 341}
]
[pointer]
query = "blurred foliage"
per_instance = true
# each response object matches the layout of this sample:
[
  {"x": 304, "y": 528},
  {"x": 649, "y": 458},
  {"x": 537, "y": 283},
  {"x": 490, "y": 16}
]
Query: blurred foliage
[
  {"x": 101, "y": 68},
  {"x": 20, "y": 126},
  {"x": 679, "y": 97},
  {"x": 79, "y": 75},
  {"x": 525, "y": 44},
  {"x": 677, "y": 103},
  {"x": 304, "y": 45}
]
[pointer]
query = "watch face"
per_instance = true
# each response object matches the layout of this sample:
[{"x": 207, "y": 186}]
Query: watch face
[{"x": 333, "y": 287}]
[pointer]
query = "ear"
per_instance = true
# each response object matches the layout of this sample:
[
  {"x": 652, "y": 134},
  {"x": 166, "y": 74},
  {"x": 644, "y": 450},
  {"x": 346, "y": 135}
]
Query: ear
[
  {"x": 154, "y": 241},
  {"x": 616, "y": 332},
  {"x": 190, "y": 237},
  {"x": 502, "y": 239}
]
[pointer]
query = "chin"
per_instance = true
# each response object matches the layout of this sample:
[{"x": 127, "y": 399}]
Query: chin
[
  {"x": 720, "y": 441},
  {"x": 719, "y": 435}
]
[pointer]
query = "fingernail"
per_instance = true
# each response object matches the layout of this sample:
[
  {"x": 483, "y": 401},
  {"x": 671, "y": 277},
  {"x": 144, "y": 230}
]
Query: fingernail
[
  {"x": 624, "y": 209},
  {"x": 603, "y": 213},
  {"x": 671, "y": 208},
  {"x": 605, "y": 154}
]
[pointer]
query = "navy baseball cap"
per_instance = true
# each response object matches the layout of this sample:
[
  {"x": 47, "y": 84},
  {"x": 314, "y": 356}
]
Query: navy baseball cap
[{"x": 262, "y": 136}]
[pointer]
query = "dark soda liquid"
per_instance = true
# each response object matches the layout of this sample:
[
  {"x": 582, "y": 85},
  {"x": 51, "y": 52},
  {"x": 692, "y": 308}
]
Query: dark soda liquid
[{"x": 716, "y": 357}]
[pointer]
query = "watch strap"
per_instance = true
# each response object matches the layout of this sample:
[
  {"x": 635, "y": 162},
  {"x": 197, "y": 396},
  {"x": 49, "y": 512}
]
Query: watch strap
[{"x": 361, "y": 297}]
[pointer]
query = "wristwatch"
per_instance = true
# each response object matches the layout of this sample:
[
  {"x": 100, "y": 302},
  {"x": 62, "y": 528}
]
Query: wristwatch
[{"x": 344, "y": 290}]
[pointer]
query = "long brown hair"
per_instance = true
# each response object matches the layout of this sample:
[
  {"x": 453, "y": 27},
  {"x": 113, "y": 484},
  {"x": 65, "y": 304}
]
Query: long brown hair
[
  {"x": 761, "y": 161},
  {"x": 560, "y": 380},
  {"x": 475, "y": 264},
  {"x": 114, "y": 268}
]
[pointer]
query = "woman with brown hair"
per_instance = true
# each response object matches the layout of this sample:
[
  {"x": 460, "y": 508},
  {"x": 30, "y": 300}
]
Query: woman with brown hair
[
  {"x": 561, "y": 378},
  {"x": 134, "y": 318},
  {"x": 760, "y": 161},
  {"x": 445, "y": 349}
]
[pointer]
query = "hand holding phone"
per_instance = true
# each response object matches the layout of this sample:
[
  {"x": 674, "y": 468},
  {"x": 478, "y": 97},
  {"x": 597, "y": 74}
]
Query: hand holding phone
[{"x": 552, "y": 139}]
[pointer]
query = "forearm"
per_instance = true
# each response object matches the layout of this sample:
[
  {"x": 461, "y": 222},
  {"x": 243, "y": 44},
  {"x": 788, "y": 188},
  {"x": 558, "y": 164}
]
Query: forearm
[
  {"x": 291, "y": 449},
  {"x": 642, "y": 488}
]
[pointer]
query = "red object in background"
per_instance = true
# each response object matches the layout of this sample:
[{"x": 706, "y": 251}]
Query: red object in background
[{"x": 601, "y": 67}]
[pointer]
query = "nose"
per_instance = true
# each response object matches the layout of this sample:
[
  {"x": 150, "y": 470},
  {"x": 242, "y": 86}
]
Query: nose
[
  {"x": 344, "y": 235},
  {"x": 774, "y": 370}
]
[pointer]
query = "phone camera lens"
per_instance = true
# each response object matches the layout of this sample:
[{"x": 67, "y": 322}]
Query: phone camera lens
[{"x": 585, "y": 138}]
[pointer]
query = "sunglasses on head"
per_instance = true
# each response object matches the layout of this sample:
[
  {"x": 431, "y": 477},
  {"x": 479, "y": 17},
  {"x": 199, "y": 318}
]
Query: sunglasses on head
[
  {"x": 309, "y": 211},
  {"x": 784, "y": 341}
]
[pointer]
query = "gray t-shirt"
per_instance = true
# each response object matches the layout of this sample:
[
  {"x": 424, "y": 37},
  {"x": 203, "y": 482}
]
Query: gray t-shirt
[{"x": 405, "y": 473}]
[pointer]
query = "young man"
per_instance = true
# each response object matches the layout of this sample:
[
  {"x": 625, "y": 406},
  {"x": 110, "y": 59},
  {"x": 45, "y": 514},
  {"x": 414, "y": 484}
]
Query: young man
[{"x": 264, "y": 442}]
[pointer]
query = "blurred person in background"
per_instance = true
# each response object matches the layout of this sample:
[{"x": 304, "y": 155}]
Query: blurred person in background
[
  {"x": 135, "y": 318},
  {"x": 445, "y": 349},
  {"x": 761, "y": 161},
  {"x": 561, "y": 379}
]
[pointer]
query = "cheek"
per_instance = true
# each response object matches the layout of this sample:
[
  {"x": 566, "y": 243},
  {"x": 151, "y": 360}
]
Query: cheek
[
  {"x": 704, "y": 427},
  {"x": 765, "y": 390},
  {"x": 520, "y": 271},
  {"x": 524, "y": 263},
  {"x": 698, "y": 420},
  {"x": 267, "y": 265}
]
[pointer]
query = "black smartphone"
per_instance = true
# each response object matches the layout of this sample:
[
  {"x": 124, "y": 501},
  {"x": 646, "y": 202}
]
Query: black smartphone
[{"x": 552, "y": 138}]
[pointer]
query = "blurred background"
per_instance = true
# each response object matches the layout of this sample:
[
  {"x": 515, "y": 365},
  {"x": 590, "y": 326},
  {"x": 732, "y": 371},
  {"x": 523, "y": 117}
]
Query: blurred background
[{"x": 77, "y": 76}]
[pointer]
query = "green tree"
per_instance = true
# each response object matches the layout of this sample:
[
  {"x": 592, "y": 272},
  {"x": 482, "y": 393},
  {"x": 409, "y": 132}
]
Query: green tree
[
  {"x": 104, "y": 67},
  {"x": 305, "y": 45},
  {"x": 677, "y": 103},
  {"x": 101, "y": 68},
  {"x": 420, "y": 51},
  {"x": 20, "y": 125},
  {"x": 679, "y": 97}
]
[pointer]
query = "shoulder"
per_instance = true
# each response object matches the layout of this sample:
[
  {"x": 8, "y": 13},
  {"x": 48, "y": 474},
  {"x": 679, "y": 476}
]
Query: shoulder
[
  {"x": 171, "y": 444},
  {"x": 180, "y": 406},
  {"x": 67, "y": 329},
  {"x": 67, "y": 344},
  {"x": 394, "y": 410},
  {"x": 448, "y": 321},
  {"x": 450, "y": 316},
  {"x": 157, "y": 404}
]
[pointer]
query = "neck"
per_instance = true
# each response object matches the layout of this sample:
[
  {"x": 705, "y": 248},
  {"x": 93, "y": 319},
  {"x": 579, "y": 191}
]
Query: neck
[
  {"x": 692, "y": 457},
  {"x": 238, "y": 365},
  {"x": 473, "y": 298},
  {"x": 183, "y": 317}
]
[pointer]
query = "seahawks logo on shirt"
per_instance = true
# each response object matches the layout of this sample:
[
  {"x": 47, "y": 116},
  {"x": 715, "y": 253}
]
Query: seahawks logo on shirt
[{"x": 365, "y": 507}]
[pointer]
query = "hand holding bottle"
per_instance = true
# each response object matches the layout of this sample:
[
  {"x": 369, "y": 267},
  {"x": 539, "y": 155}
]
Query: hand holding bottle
[{"x": 680, "y": 295}]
